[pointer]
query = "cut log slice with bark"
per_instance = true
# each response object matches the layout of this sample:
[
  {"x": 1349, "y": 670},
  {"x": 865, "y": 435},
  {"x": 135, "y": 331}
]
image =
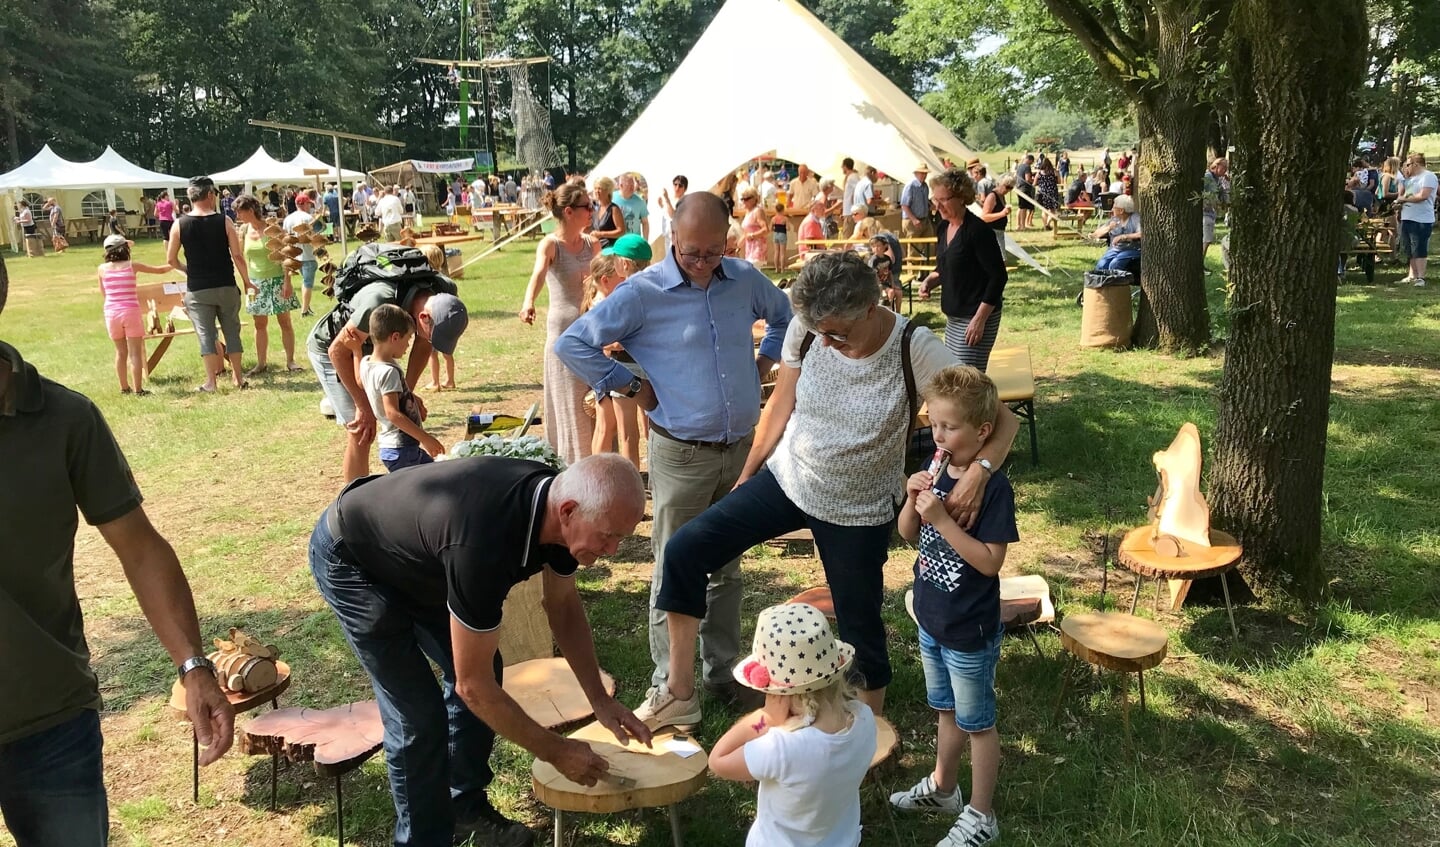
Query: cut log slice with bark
[
  {"x": 1114, "y": 640},
  {"x": 644, "y": 777},
  {"x": 886, "y": 740},
  {"x": 549, "y": 692},
  {"x": 337, "y": 740}
]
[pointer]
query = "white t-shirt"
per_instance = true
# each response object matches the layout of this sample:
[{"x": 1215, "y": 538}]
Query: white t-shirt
[
  {"x": 810, "y": 783},
  {"x": 1424, "y": 211},
  {"x": 767, "y": 194},
  {"x": 390, "y": 210},
  {"x": 848, "y": 198},
  {"x": 842, "y": 457},
  {"x": 379, "y": 379},
  {"x": 864, "y": 193},
  {"x": 294, "y": 219}
]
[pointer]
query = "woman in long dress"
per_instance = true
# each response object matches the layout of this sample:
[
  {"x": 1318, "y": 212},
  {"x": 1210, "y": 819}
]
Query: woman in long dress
[{"x": 562, "y": 260}]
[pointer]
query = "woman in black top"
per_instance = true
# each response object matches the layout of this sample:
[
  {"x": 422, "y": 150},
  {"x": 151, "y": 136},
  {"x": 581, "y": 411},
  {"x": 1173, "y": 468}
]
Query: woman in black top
[
  {"x": 971, "y": 267},
  {"x": 606, "y": 221},
  {"x": 212, "y": 256}
]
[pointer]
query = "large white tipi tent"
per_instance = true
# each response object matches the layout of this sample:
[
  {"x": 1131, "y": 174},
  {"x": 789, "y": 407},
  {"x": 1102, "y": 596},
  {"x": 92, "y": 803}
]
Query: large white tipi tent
[{"x": 708, "y": 120}]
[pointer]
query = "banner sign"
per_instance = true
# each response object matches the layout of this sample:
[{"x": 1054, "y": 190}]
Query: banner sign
[{"x": 454, "y": 166}]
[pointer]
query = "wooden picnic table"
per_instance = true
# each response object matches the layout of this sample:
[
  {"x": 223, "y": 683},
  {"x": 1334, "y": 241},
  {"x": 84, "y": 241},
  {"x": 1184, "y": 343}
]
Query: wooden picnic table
[
  {"x": 88, "y": 228},
  {"x": 1070, "y": 221}
]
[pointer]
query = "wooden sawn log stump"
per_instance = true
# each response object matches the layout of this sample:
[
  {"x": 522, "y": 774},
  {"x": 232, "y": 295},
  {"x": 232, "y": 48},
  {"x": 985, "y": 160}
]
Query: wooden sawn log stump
[{"x": 337, "y": 740}]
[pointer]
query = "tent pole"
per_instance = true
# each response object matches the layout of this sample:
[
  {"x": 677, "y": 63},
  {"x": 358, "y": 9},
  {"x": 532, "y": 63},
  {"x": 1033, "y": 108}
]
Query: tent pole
[{"x": 339, "y": 188}]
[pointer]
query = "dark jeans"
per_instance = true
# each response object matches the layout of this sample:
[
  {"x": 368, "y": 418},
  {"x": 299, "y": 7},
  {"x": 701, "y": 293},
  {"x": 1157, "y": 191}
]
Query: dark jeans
[
  {"x": 398, "y": 458},
  {"x": 437, "y": 751},
  {"x": 853, "y": 557},
  {"x": 52, "y": 791}
]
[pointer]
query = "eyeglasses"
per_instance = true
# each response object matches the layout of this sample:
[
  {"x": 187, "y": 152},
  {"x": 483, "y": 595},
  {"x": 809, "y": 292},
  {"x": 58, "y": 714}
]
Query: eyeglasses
[
  {"x": 836, "y": 337},
  {"x": 700, "y": 258},
  {"x": 585, "y": 206}
]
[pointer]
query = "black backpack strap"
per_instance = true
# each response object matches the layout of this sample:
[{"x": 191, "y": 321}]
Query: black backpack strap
[
  {"x": 911, "y": 394},
  {"x": 805, "y": 344}
]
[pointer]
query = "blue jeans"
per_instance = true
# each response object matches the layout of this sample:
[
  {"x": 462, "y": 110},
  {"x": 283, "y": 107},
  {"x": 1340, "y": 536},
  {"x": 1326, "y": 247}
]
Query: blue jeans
[
  {"x": 52, "y": 793},
  {"x": 437, "y": 751},
  {"x": 1117, "y": 259},
  {"x": 853, "y": 557},
  {"x": 1416, "y": 238},
  {"x": 396, "y": 458},
  {"x": 307, "y": 273},
  {"x": 961, "y": 682}
]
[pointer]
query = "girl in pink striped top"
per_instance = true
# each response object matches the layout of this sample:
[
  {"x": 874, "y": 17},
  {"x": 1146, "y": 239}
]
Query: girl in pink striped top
[{"x": 123, "y": 318}]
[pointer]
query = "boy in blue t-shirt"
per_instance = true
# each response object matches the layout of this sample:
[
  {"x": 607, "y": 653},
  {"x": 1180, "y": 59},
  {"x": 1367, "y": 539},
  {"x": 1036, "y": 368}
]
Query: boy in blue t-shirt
[{"x": 957, "y": 605}]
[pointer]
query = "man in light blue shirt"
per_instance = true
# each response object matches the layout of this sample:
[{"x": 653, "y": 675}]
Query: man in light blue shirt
[
  {"x": 915, "y": 208},
  {"x": 687, "y": 323},
  {"x": 632, "y": 207}
]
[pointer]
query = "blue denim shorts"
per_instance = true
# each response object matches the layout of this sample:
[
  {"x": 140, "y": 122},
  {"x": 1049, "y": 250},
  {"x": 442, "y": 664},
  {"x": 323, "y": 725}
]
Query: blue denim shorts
[
  {"x": 961, "y": 682},
  {"x": 396, "y": 458},
  {"x": 1416, "y": 238}
]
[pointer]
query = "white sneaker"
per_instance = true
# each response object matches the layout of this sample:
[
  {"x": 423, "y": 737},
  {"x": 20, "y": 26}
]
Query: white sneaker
[
  {"x": 1419, "y": 283},
  {"x": 972, "y": 829},
  {"x": 925, "y": 796},
  {"x": 661, "y": 708}
]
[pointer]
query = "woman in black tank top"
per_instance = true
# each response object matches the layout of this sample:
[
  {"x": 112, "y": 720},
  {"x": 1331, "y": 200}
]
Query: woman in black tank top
[{"x": 212, "y": 256}]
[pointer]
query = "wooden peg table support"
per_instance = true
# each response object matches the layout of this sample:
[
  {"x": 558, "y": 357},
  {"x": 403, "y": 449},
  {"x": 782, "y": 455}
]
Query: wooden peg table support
[{"x": 1138, "y": 554}]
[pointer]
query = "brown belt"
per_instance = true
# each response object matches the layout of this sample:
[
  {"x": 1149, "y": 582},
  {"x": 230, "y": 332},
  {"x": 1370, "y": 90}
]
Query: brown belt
[{"x": 691, "y": 442}]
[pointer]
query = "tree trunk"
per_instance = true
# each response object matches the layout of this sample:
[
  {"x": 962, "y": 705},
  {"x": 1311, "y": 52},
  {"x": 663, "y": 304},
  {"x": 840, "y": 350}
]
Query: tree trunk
[
  {"x": 1172, "y": 160},
  {"x": 12, "y": 136},
  {"x": 1296, "y": 65}
]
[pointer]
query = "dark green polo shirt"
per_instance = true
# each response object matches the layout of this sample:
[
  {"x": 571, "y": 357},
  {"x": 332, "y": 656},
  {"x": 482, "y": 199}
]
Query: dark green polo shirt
[{"x": 56, "y": 455}]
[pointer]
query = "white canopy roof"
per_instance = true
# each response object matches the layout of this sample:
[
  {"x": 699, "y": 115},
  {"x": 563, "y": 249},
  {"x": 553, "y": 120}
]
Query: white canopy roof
[
  {"x": 46, "y": 170},
  {"x": 260, "y": 167},
  {"x": 845, "y": 108},
  {"x": 304, "y": 159}
]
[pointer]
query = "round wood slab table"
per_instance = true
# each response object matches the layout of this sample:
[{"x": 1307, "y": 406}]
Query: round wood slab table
[
  {"x": 1138, "y": 554},
  {"x": 241, "y": 702},
  {"x": 641, "y": 777}
]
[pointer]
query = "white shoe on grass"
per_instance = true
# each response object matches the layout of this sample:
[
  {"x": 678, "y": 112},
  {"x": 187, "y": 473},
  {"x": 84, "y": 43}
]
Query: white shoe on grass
[
  {"x": 925, "y": 796},
  {"x": 972, "y": 829}
]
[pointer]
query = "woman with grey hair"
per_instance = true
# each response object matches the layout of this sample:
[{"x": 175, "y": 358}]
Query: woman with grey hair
[
  {"x": 828, "y": 455},
  {"x": 971, "y": 267},
  {"x": 1123, "y": 232}
]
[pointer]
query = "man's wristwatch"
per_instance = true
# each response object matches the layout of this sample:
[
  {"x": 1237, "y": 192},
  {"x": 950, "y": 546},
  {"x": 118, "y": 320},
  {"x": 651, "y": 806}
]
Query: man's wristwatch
[
  {"x": 985, "y": 463},
  {"x": 634, "y": 387},
  {"x": 194, "y": 662}
]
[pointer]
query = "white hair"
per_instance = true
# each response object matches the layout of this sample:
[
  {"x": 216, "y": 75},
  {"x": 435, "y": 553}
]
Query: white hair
[
  {"x": 598, "y": 484},
  {"x": 1125, "y": 203}
]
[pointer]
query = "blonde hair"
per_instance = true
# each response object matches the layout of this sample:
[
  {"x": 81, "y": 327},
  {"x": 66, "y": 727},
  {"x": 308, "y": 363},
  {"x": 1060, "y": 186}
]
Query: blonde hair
[
  {"x": 600, "y": 266},
  {"x": 971, "y": 392},
  {"x": 435, "y": 255},
  {"x": 832, "y": 697},
  {"x": 1391, "y": 166},
  {"x": 605, "y": 185},
  {"x": 629, "y": 267}
]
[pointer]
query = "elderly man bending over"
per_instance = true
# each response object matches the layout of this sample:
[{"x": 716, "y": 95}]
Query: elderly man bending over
[{"x": 416, "y": 566}]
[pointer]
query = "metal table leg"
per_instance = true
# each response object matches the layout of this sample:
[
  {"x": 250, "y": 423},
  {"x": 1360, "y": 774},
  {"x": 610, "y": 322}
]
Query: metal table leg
[
  {"x": 1229, "y": 610},
  {"x": 194, "y": 767},
  {"x": 1141, "y": 674},
  {"x": 274, "y": 769},
  {"x": 339, "y": 812},
  {"x": 559, "y": 829},
  {"x": 674, "y": 810},
  {"x": 1135, "y": 601}
]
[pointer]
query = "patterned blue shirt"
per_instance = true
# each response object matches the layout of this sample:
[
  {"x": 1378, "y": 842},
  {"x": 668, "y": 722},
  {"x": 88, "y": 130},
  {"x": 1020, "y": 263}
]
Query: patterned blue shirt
[
  {"x": 694, "y": 345},
  {"x": 958, "y": 605}
]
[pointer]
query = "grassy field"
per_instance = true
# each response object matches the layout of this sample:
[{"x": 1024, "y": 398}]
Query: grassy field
[{"x": 1317, "y": 727}]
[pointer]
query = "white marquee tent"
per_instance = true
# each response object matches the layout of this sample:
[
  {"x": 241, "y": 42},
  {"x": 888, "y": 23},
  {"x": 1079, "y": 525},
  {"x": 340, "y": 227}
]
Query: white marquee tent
[
  {"x": 704, "y": 123},
  {"x": 107, "y": 178},
  {"x": 263, "y": 169}
]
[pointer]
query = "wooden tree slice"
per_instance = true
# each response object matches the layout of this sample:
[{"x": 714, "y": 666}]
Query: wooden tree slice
[
  {"x": 241, "y": 701},
  {"x": 1114, "y": 640},
  {"x": 886, "y": 740},
  {"x": 1138, "y": 553},
  {"x": 661, "y": 778},
  {"x": 819, "y": 597},
  {"x": 337, "y": 740},
  {"x": 549, "y": 692}
]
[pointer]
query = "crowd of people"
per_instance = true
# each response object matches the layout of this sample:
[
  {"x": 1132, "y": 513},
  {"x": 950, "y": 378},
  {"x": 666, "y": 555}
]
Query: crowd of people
[
  {"x": 416, "y": 563},
  {"x": 1402, "y": 198}
]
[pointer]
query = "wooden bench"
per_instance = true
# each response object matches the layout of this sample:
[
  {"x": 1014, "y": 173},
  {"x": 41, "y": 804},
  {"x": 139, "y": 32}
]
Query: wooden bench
[
  {"x": 1014, "y": 379},
  {"x": 163, "y": 303}
]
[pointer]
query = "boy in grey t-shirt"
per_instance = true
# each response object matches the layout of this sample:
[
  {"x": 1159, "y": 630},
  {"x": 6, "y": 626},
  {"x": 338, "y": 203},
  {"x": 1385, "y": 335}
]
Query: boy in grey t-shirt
[{"x": 402, "y": 440}]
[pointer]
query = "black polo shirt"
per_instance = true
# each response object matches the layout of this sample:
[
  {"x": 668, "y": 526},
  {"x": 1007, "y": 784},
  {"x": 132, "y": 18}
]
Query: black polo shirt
[
  {"x": 460, "y": 532},
  {"x": 56, "y": 454}
]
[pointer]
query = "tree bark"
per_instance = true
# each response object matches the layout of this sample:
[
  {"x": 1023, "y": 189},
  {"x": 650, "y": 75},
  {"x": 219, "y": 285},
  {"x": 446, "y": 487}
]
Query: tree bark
[{"x": 1296, "y": 64}]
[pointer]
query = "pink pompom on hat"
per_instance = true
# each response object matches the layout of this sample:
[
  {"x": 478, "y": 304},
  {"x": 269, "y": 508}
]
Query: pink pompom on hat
[{"x": 794, "y": 652}]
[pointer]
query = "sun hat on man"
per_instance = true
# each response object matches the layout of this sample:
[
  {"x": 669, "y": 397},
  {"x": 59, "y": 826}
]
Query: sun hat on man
[
  {"x": 794, "y": 652},
  {"x": 448, "y": 319},
  {"x": 630, "y": 246}
]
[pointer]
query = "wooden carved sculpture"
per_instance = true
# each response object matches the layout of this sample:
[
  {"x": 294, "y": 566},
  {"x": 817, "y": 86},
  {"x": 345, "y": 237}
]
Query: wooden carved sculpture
[
  {"x": 1178, "y": 509},
  {"x": 244, "y": 665}
]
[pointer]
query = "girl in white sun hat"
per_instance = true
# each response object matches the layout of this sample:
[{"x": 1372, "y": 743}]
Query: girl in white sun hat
[{"x": 811, "y": 744}]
